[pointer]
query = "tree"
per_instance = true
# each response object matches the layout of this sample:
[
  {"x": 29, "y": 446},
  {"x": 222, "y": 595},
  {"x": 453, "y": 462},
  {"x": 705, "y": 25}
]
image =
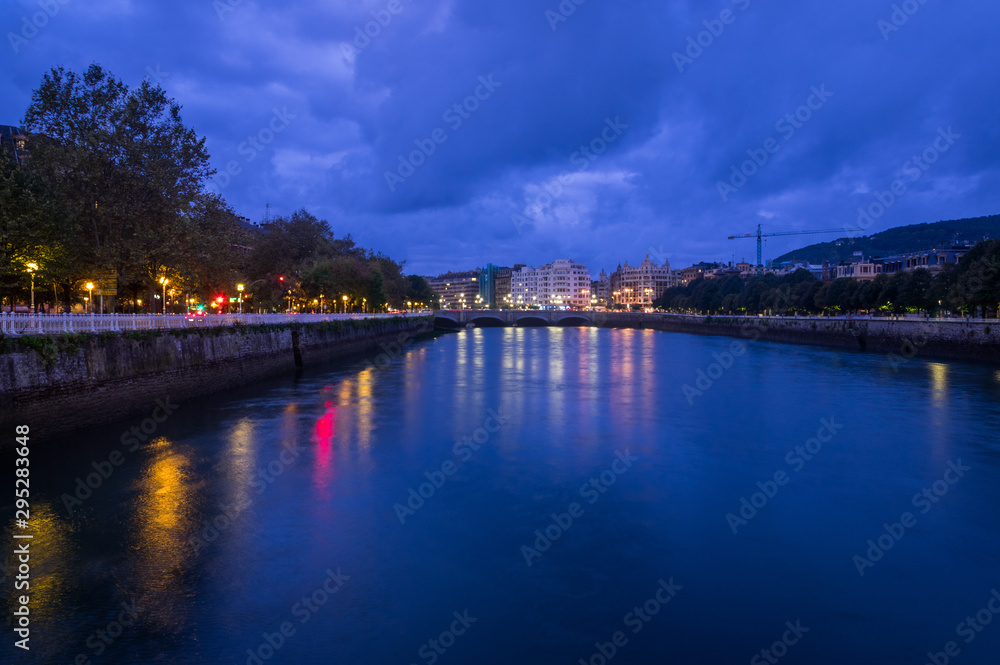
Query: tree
[
  {"x": 869, "y": 296},
  {"x": 30, "y": 231},
  {"x": 123, "y": 162},
  {"x": 975, "y": 282},
  {"x": 393, "y": 281},
  {"x": 916, "y": 296},
  {"x": 419, "y": 291},
  {"x": 836, "y": 296}
]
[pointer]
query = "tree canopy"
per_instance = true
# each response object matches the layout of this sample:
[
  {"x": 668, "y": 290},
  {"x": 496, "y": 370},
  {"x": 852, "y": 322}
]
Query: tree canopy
[
  {"x": 116, "y": 187},
  {"x": 973, "y": 285}
]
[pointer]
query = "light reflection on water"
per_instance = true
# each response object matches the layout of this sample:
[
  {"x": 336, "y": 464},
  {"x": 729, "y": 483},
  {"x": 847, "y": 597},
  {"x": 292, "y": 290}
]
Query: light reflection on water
[
  {"x": 573, "y": 398},
  {"x": 163, "y": 521}
]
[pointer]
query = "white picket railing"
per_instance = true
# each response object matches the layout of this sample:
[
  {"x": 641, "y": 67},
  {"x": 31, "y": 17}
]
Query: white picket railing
[
  {"x": 54, "y": 324},
  {"x": 840, "y": 317}
]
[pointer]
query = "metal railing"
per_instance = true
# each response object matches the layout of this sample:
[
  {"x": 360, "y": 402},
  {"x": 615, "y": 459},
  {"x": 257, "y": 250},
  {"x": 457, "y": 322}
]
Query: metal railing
[
  {"x": 55, "y": 324},
  {"x": 839, "y": 317}
]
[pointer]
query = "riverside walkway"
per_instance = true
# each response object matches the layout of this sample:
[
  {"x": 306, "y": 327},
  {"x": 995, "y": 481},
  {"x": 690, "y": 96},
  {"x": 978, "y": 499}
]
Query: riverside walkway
[{"x": 55, "y": 324}]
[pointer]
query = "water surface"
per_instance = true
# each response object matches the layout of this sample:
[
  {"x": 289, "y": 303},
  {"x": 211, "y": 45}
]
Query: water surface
[{"x": 231, "y": 518}]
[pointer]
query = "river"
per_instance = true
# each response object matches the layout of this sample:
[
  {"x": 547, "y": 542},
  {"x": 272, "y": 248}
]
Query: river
[{"x": 534, "y": 495}]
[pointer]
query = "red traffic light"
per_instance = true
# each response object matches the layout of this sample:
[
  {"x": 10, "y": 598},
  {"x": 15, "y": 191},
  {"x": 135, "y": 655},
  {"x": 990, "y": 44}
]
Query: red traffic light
[
  {"x": 281, "y": 279},
  {"x": 220, "y": 299}
]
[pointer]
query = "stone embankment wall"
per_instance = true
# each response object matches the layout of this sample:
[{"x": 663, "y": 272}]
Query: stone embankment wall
[
  {"x": 61, "y": 384},
  {"x": 976, "y": 340}
]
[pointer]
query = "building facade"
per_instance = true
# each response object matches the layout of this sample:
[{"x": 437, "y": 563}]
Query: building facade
[
  {"x": 640, "y": 285},
  {"x": 457, "y": 290},
  {"x": 560, "y": 284},
  {"x": 502, "y": 289},
  {"x": 600, "y": 290},
  {"x": 697, "y": 271},
  {"x": 934, "y": 260},
  {"x": 12, "y": 139},
  {"x": 863, "y": 271},
  {"x": 494, "y": 287}
]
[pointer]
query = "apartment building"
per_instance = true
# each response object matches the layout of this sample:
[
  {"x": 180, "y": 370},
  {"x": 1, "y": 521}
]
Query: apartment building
[
  {"x": 458, "y": 290},
  {"x": 557, "y": 285},
  {"x": 640, "y": 285}
]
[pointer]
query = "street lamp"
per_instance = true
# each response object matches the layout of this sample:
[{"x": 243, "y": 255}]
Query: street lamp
[
  {"x": 32, "y": 267},
  {"x": 239, "y": 287},
  {"x": 164, "y": 281},
  {"x": 90, "y": 298},
  {"x": 345, "y": 304}
]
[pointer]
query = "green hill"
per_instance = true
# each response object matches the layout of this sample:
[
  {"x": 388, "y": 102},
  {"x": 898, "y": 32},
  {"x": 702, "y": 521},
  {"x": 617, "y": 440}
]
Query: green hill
[{"x": 912, "y": 238}]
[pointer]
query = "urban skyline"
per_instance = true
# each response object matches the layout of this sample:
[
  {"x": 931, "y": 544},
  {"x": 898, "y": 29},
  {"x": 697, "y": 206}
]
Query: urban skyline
[{"x": 640, "y": 285}]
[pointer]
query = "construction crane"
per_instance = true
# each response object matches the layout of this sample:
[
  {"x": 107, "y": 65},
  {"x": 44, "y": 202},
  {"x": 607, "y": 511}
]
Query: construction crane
[{"x": 760, "y": 240}]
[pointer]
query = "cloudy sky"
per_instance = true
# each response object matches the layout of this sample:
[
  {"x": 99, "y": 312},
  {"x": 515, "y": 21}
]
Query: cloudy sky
[{"x": 452, "y": 133}]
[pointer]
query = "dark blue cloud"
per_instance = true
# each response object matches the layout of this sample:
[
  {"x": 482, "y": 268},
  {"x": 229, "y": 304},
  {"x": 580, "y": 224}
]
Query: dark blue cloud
[{"x": 354, "y": 104}]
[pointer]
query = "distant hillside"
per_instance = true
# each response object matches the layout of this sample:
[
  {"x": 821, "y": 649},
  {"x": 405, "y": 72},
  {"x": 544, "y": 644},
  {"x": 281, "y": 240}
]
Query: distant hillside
[{"x": 912, "y": 238}]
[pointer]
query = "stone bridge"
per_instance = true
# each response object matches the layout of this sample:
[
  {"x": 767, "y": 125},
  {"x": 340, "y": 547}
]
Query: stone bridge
[{"x": 517, "y": 317}]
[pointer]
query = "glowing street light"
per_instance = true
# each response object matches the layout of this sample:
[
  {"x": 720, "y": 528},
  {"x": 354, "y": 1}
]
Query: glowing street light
[
  {"x": 90, "y": 298},
  {"x": 32, "y": 267},
  {"x": 164, "y": 281},
  {"x": 239, "y": 287},
  {"x": 345, "y": 303}
]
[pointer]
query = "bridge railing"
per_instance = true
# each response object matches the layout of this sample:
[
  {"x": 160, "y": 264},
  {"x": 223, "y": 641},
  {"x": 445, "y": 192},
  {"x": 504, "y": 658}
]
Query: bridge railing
[
  {"x": 511, "y": 315},
  {"x": 53, "y": 324},
  {"x": 855, "y": 317}
]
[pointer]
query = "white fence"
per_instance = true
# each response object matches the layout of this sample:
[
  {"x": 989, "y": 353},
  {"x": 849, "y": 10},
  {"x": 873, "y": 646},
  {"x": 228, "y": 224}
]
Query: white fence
[
  {"x": 54, "y": 324},
  {"x": 842, "y": 317}
]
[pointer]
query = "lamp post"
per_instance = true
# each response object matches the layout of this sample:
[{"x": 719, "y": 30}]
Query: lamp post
[
  {"x": 164, "y": 281},
  {"x": 345, "y": 303},
  {"x": 32, "y": 267},
  {"x": 239, "y": 287},
  {"x": 90, "y": 298}
]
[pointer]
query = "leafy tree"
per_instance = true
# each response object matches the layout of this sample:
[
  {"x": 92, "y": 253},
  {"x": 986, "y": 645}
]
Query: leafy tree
[
  {"x": 837, "y": 295},
  {"x": 30, "y": 232},
  {"x": 917, "y": 292},
  {"x": 123, "y": 162},
  {"x": 975, "y": 282},
  {"x": 393, "y": 281},
  {"x": 868, "y": 296},
  {"x": 418, "y": 290}
]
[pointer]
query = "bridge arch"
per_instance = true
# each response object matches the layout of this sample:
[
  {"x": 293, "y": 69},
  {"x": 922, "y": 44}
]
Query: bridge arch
[
  {"x": 573, "y": 321},
  {"x": 532, "y": 321},
  {"x": 442, "y": 320},
  {"x": 487, "y": 321}
]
